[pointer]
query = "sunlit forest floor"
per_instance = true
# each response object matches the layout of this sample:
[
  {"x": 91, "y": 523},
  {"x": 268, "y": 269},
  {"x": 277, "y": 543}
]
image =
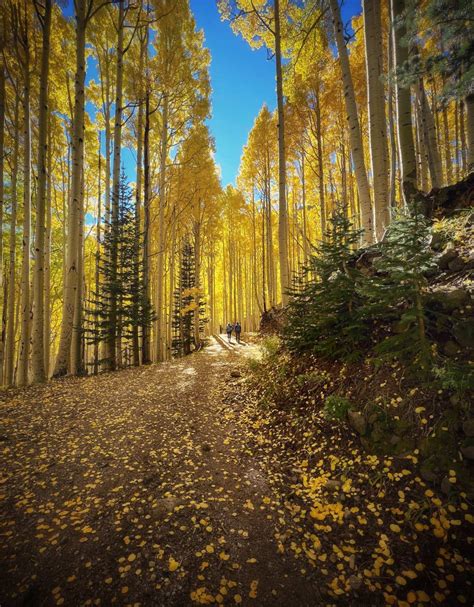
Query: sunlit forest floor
[{"x": 166, "y": 485}]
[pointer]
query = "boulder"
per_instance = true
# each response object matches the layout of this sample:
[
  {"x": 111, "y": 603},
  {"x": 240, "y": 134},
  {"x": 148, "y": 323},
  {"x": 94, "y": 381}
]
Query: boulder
[
  {"x": 455, "y": 298},
  {"x": 357, "y": 421},
  {"x": 464, "y": 333},
  {"x": 451, "y": 348},
  {"x": 447, "y": 256},
  {"x": 457, "y": 264},
  {"x": 438, "y": 241},
  {"x": 332, "y": 485}
]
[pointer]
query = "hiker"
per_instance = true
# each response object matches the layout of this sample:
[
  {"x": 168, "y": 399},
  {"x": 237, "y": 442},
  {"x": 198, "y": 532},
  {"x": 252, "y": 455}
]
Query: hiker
[
  {"x": 238, "y": 330},
  {"x": 229, "y": 330}
]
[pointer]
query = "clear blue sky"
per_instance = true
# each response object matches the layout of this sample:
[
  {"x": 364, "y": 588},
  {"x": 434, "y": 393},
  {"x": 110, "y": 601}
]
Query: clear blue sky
[{"x": 242, "y": 80}]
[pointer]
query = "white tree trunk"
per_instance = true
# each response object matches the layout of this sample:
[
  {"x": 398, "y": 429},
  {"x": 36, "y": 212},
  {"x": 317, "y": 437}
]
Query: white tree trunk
[
  {"x": 37, "y": 355},
  {"x": 377, "y": 119},
  {"x": 282, "y": 208},
  {"x": 357, "y": 148},
  {"x": 429, "y": 138},
  {"x": 75, "y": 203},
  {"x": 406, "y": 145}
]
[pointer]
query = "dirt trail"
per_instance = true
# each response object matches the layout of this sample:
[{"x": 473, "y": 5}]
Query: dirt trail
[{"x": 138, "y": 488}]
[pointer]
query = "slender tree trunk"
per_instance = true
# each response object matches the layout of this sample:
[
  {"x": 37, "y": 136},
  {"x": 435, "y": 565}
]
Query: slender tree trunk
[
  {"x": 197, "y": 281},
  {"x": 97, "y": 259},
  {"x": 25, "y": 304},
  {"x": 282, "y": 209},
  {"x": 391, "y": 130},
  {"x": 47, "y": 265},
  {"x": 161, "y": 234},
  {"x": 146, "y": 359},
  {"x": 447, "y": 146},
  {"x": 10, "y": 331},
  {"x": 37, "y": 355},
  {"x": 357, "y": 148},
  {"x": 2, "y": 201},
  {"x": 376, "y": 107},
  {"x": 406, "y": 146},
  {"x": 319, "y": 138},
  {"x": 429, "y": 136},
  {"x": 462, "y": 130},
  {"x": 77, "y": 358},
  {"x": 75, "y": 204},
  {"x": 113, "y": 310},
  {"x": 469, "y": 103}
]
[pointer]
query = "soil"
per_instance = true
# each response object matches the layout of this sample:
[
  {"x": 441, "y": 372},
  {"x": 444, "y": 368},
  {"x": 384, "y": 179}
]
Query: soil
[{"x": 138, "y": 488}]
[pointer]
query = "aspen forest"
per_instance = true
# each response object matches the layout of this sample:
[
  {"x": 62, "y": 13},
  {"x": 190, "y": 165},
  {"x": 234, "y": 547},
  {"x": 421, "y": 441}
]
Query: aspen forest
[{"x": 236, "y": 302}]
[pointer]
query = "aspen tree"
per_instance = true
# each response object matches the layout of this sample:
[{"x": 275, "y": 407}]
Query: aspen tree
[
  {"x": 376, "y": 110},
  {"x": 37, "y": 354},
  {"x": 354, "y": 127}
]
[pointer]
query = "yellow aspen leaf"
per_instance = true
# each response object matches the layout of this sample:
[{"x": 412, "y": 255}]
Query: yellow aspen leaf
[{"x": 172, "y": 564}]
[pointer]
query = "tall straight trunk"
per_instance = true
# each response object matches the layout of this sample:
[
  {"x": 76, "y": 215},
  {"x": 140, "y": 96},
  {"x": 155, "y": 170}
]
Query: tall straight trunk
[
  {"x": 391, "y": 130},
  {"x": 319, "y": 138},
  {"x": 25, "y": 302},
  {"x": 159, "y": 342},
  {"x": 113, "y": 309},
  {"x": 146, "y": 359},
  {"x": 357, "y": 148},
  {"x": 254, "y": 250},
  {"x": 75, "y": 203},
  {"x": 2, "y": 149},
  {"x": 77, "y": 350},
  {"x": 406, "y": 145},
  {"x": 138, "y": 211},
  {"x": 282, "y": 204},
  {"x": 376, "y": 107},
  {"x": 447, "y": 146},
  {"x": 2, "y": 201},
  {"x": 47, "y": 264},
  {"x": 97, "y": 257},
  {"x": 10, "y": 329},
  {"x": 469, "y": 103},
  {"x": 197, "y": 281},
  {"x": 421, "y": 151},
  {"x": 306, "y": 241},
  {"x": 37, "y": 354},
  {"x": 462, "y": 130},
  {"x": 457, "y": 140},
  {"x": 429, "y": 139}
]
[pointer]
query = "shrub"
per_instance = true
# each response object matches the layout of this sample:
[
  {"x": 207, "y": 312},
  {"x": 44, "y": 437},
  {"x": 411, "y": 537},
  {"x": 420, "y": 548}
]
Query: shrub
[{"x": 336, "y": 407}]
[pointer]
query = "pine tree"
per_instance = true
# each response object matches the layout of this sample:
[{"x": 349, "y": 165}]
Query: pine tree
[
  {"x": 186, "y": 299},
  {"x": 397, "y": 292},
  {"x": 323, "y": 314},
  {"x": 122, "y": 287}
]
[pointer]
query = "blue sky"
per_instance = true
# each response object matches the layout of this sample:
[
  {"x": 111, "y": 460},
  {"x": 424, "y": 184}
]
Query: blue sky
[{"x": 242, "y": 80}]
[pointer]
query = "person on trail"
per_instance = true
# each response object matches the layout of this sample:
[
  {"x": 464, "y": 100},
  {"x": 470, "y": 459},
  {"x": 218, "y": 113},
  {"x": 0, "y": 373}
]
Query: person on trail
[
  {"x": 238, "y": 331},
  {"x": 229, "y": 330}
]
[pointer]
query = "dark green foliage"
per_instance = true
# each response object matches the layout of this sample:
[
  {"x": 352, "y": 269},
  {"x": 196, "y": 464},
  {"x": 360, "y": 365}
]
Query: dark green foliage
[
  {"x": 186, "y": 299},
  {"x": 121, "y": 288},
  {"x": 336, "y": 407},
  {"x": 397, "y": 292},
  {"x": 448, "y": 44},
  {"x": 323, "y": 314}
]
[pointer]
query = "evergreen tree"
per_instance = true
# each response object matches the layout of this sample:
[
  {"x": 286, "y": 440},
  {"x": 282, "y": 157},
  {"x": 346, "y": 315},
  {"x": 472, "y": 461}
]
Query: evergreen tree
[
  {"x": 186, "y": 298},
  {"x": 397, "y": 292},
  {"x": 323, "y": 314},
  {"x": 122, "y": 286}
]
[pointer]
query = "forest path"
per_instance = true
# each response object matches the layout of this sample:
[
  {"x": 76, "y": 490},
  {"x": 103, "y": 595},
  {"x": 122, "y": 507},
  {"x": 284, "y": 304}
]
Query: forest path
[{"x": 138, "y": 488}]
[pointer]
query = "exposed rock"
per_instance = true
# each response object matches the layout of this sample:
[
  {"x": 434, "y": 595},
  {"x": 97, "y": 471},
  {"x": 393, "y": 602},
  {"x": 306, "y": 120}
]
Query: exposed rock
[
  {"x": 468, "y": 452},
  {"x": 468, "y": 427},
  {"x": 455, "y": 298},
  {"x": 357, "y": 421},
  {"x": 332, "y": 485},
  {"x": 447, "y": 256},
  {"x": 235, "y": 373},
  {"x": 457, "y": 264}
]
